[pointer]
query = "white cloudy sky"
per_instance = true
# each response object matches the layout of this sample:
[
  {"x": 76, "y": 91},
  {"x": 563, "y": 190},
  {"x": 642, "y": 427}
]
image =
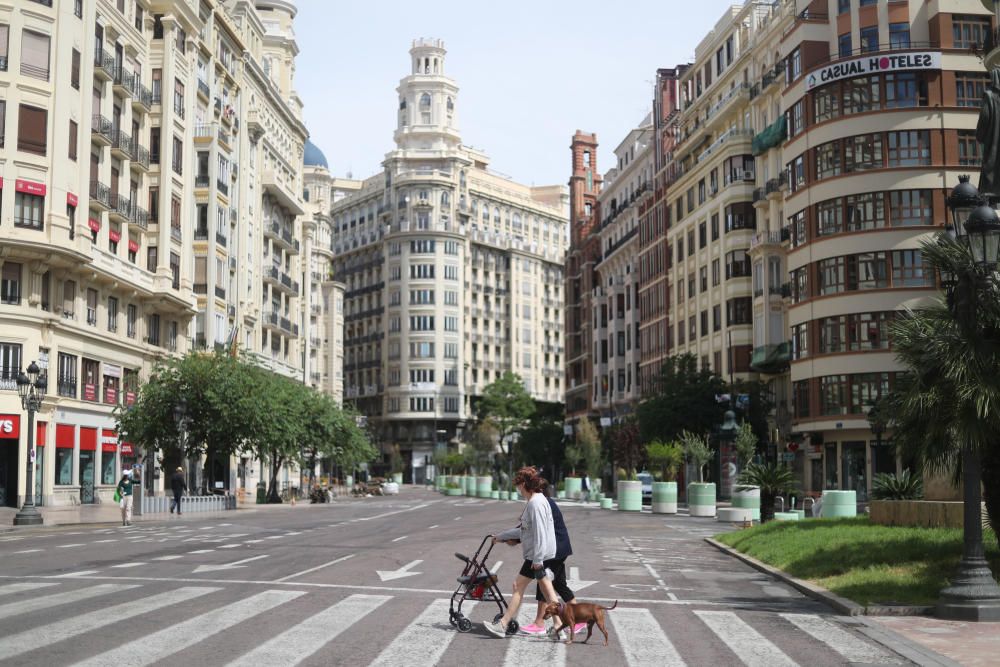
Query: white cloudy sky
[{"x": 530, "y": 73}]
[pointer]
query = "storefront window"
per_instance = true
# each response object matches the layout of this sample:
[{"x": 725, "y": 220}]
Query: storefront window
[
  {"x": 831, "y": 467},
  {"x": 854, "y": 467},
  {"x": 108, "y": 467},
  {"x": 64, "y": 466}
]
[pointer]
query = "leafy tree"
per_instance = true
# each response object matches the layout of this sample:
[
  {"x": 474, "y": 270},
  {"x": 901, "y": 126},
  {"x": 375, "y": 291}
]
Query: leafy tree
[
  {"x": 277, "y": 426},
  {"x": 949, "y": 399},
  {"x": 746, "y": 443},
  {"x": 542, "y": 443},
  {"x": 697, "y": 451},
  {"x": 626, "y": 443},
  {"x": 588, "y": 444},
  {"x": 508, "y": 406},
  {"x": 481, "y": 446},
  {"x": 684, "y": 399},
  {"x": 395, "y": 459},
  {"x": 666, "y": 458}
]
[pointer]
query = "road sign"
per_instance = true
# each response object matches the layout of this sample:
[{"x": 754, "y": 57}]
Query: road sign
[{"x": 787, "y": 457}]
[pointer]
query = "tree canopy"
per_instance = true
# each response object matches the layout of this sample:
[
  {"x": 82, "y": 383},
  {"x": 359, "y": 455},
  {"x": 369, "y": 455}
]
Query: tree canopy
[
  {"x": 507, "y": 405},
  {"x": 685, "y": 399}
]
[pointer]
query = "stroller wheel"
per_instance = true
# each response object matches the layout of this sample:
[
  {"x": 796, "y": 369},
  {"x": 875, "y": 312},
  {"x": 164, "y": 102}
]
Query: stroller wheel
[{"x": 464, "y": 624}]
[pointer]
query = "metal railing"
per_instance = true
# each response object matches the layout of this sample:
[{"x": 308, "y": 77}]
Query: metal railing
[{"x": 100, "y": 193}]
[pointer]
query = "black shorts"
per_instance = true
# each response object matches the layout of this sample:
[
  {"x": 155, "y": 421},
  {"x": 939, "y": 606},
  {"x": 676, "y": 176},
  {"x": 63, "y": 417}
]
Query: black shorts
[
  {"x": 527, "y": 571},
  {"x": 558, "y": 568}
]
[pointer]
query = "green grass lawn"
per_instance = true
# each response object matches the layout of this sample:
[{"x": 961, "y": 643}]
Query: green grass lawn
[{"x": 859, "y": 560}]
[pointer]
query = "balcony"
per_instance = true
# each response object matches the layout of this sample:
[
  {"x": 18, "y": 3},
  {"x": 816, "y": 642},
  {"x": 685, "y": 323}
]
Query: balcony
[
  {"x": 314, "y": 341},
  {"x": 771, "y": 136},
  {"x": 759, "y": 195},
  {"x": 100, "y": 196},
  {"x": 232, "y": 263},
  {"x": 274, "y": 320},
  {"x": 733, "y": 135},
  {"x": 771, "y": 359},
  {"x": 765, "y": 238},
  {"x": 201, "y": 234},
  {"x": 231, "y": 310},
  {"x": 140, "y": 158},
  {"x": 223, "y": 138},
  {"x": 281, "y": 280},
  {"x": 203, "y": 91},
  {"x": 121, "y": 207},
  {"x": 222, "y": 186},
  {"x": 139, "y": 217},
  {"x": 104, "y": 64},
  {"x": 121, "y": 145},
  {"x": 276, "y": 186},
  {"x": 142, "y": 98},
  {"x": 101, "y": 130},
  {"x": 220, "y": 292},
  {"x": 124, "y": 82},
  {"x": 221, "y": 239},
  {"x": 201, "y": 181}
]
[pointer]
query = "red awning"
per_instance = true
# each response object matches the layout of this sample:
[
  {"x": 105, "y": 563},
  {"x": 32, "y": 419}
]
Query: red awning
[
  {"x": 133, "y": 246},
  {"x": 88, "y": 439},
  {"x": 114, "y": 236},
  {"x": 95, "y": 225},
  {"x": 65, "y": 436},
  {"x": 30, "y": 187},
  {"x": 41, "y": 429},
  {"x": 72, "y": 199}
]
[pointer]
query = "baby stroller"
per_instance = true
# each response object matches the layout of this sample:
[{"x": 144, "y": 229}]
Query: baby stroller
[{"x": 477, "y": 583}]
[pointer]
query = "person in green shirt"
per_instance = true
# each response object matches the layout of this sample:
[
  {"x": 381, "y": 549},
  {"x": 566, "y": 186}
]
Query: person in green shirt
[{"x": 125, "y": 491}]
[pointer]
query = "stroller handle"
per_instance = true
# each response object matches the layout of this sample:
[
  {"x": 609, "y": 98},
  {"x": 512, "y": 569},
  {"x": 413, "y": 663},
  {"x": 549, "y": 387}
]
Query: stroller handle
[{"x": 461, "y": 557}]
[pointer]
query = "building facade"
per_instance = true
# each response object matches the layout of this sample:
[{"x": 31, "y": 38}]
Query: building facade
[
  {"x": 453, "y": 275},
  {"x": 152, "y": 147}
]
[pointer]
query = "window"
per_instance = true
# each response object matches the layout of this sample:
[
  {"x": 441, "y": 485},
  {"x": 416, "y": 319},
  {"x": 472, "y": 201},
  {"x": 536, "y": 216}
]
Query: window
[
  {"x": 794, "y": 70},
  {"x": 969, "y": 31},
  {"x": 10, "y": 283},
  {"x": 833, "y": 394},
  {"x": 800, "y": 341},
  {"x": 451, "y": 298},
  {"x": 843, "y": 6},
  {"x": 450, "y": 323},
  {"x": 861, "y": 94},
  {"x": 112, "y": 314},
  {"x": 828, "y": 159},
  {"x": 421, "y": 323},
  {"x": 131, "y": 316},
  {"x": 899, "y": 35},
  {"x": 868, "y": 270},
  {"x": 451, "y": 247},
  {"x": 422, "y": 246},
  {"x": 830, "y": 217},
  {"x": 28, "y": 210},
  {"x": 969, "y": 88},
  {"x": 844, "y": 45},
  {"x": 739, "y": 310},
  {"x": 905, "y": 90},
  {"x": 151, "y": 258},
  {"x": 92, "y": 306},
  {"x": 450, "y": 272},
  {"x": 175, "y": 270},
  {"x": 866, "y": 388},
  {"x": 865, "y": 211},
  {"x": 715, "y": 226},
  {"x": 797, "y": 173},
  {"x": 421, "y": 296},
  {"x": 716, "y": 317},
  {"x": 690, "y": 242},
  {"x": 154, "y": 145},
  {"x": 422, "y": 375},
  {"x": 969, "y": 149},
  {"x": 421, "y": 270},
  {"x": 910, "y": 207},
  {"x": 451, "y": 403},
  {"x": 868, "y": 331},
  {"x": 451, "y": 377},
  {"x": 451, "y": 350},
  {"x": 800, "y": 392},
  {"x": 737, "y": 264},
  {"x": 796, "y": 119},
  {"x": 832, "y": 334},
  {"x": 153, "y": 329},
  {"x": 716, "y": 272},
  {"x": 394, "y": 325},
  {"x": 421, "y": 350},
  {"x": 67, "y": 375},
  {"x": 31, "y": 133},
  {"x": 908, "y": 269},
  {"x": 869, "y": 39},
  {"x": 421, "y": 404},
  {"x": 832, "y": 275},
  {"x": 69, "y": 299},
  {"x": 35, "y": 55},
  {"x": 740, "y": 216},
  {"x": 10, "y": 365},
  {"x": 177, "y": 158},
  {"x": 863, "y": 151},
  {"x": 74, "y": 75},
  {"x": 72, "y": 140},
  {"x": 703, "y": 279},
  {"x": 826, "y": 103},
  {"x": 909, "y": 148}
]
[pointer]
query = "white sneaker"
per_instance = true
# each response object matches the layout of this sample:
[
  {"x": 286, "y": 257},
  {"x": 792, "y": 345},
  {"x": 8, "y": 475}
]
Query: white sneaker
[{"x": 495, "y": 628}]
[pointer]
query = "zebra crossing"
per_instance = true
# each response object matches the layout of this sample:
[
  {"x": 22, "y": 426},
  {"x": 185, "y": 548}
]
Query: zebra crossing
[{"x": 94, "y": 624}]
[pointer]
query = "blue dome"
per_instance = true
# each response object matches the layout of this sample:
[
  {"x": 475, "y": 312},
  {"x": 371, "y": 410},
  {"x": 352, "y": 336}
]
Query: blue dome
[{"x": 313, "y": 156}]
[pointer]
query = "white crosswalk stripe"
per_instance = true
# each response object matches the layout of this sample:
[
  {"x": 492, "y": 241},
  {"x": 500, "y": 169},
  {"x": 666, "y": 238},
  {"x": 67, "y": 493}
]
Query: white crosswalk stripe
[
  {"x": 168, "y": 641},
  {"x": 749, "y": 645},
  {"x": 641, "y": 638},
  {"x": 59, "y": 599},
  {"x": 10, "y": 589},
  {"x": 527, "y": 650},
  {"x": 14, "y": 645},
  {"x": 295, "y": 645},
  {"x": 843, "y": 642},
  {"x": 424, "y": 637}
]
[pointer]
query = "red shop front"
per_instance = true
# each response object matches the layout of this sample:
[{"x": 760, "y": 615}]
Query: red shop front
[{"x": 10, "y": 433}]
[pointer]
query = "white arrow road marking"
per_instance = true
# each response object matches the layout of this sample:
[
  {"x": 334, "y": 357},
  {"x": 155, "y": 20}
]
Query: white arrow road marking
[
  {"x": 389, "y": 575},
  {"x": 496, "y": 566},
  {"x": 574, "y": 581},
  {"x": 400, "y": 538},
  {"x": 227, "y": 566}
]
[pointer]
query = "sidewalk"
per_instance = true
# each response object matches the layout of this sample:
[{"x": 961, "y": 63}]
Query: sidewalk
[
  {"x": 969, "y": 644},
  {"x": 77, "y": 515}
]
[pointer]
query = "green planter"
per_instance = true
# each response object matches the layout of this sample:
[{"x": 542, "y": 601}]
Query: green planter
[
  {"x": 453, "y": 492},
  {"x": 470, "y": 486},
  {"x": 701, "y": 499},
  {"x": 838, "y": 504},
  {"x": 629, "y": 496},
  {"x": 606, "y": 503},
  {"x": 598, "y": 496},
  {"x": 439, "y": 482},
  {"x": 560, "y": 495},
  {"x": 786, "y": 516},
  {"x": 503, "y": 495},
  {"x": 664, "y": 498},
  {"x": 574, "y": 488},
  {"x": 484, "y": 486},
  {"x": 349, "y": 480},
  {"x": 495, "y": 495},
  {"x": 748, "y": 499},
  {"x": 397, "y": 477}
]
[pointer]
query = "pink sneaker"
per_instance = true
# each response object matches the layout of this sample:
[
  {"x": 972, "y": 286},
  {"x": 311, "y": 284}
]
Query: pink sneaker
[
  {"x": 579, "y": 627},
  {"x": 532, "y": 629}
]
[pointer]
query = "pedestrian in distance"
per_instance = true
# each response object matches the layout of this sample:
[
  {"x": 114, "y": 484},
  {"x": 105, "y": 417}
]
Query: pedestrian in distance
[
  {"x": 178, "y": 486},
  {"x": 557, "y": 566},
  {"x": 537, "y": 536},
  {"x": 125, "y": 492}
]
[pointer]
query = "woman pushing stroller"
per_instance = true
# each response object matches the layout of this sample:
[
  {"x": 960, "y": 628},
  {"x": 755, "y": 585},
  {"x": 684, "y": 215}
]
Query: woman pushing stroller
[{"x": 536, "y": 533}]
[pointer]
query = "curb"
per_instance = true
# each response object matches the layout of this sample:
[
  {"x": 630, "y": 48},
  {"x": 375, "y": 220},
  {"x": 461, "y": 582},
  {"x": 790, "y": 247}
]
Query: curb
[{"x": 820, "y": 594}]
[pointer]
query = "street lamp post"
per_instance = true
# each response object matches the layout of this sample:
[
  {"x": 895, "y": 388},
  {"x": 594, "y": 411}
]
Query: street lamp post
[
  {"x": 31, "y": 388},
  {"x": 973, "y": 594}
]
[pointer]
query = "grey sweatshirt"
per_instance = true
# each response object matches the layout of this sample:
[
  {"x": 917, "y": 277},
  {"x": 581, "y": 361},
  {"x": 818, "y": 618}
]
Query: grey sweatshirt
[{"x": 536, "y": 532}]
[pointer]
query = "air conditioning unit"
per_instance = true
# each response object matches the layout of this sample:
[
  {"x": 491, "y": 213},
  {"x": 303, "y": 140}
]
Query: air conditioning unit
[{"x": 748, "y": 175}]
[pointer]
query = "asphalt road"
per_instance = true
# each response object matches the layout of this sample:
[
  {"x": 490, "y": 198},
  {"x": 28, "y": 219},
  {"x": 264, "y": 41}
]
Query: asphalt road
[{"x": 367, "y": 581}]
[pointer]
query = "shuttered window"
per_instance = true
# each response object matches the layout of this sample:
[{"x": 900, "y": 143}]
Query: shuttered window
[
  {"x": 72, "y": 140},
  {"x": 4, "y": 30},
  {"x": 31, "y": 129},
  {"x": 35, "y": 55},
  {"x": 75, "y": 70}
]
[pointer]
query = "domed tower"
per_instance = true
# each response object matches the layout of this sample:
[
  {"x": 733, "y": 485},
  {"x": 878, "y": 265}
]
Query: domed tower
[{"x": 427, "y": 119}]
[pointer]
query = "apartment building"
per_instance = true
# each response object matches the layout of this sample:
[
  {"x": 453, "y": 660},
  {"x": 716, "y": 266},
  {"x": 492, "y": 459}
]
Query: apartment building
[
  {"x": 582, "y": 255},
  {"x": 141, "y": 237},
  {"x": 880, "y": 103},
  {"x": 454, "y": 275},
  {"x": 625, "y": 198}
]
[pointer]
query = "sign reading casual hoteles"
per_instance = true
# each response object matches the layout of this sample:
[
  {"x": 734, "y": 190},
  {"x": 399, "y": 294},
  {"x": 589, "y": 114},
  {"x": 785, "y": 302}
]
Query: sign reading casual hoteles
[{"x": 846, "y": 69}]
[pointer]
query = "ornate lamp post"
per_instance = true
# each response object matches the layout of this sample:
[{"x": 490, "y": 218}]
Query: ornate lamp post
[
  {"x": 31, "y": 388},
  {"x": 973, "y": 593}
]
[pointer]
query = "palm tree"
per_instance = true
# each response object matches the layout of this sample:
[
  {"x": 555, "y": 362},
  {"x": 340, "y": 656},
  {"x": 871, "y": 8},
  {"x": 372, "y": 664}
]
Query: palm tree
[
  {"x": 773, "y": 480},
  {"x": 950, "y": 398}
]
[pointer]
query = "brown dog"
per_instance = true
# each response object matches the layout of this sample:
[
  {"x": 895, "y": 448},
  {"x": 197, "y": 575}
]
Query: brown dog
[{"x": 581, "y": 612}]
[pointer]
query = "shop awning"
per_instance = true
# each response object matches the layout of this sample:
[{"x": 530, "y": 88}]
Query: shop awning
[
  {"x": 771, "y": 358},
  {"x": 769, "y": 137}
]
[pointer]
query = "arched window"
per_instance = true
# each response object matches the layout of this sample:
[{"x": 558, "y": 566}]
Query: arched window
[
  {"x": 496, "y": 216},
  {"x": 517, "y": 221},
  {"x": 425, "y": 109},
  {"x": 451, "y": 105},
  {"x": 445, "y": 199},
  {"x": 461, "y": 179}
]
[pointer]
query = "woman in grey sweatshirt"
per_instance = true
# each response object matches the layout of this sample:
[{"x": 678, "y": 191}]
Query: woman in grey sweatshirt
[{"x": 537, "y": 536}]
